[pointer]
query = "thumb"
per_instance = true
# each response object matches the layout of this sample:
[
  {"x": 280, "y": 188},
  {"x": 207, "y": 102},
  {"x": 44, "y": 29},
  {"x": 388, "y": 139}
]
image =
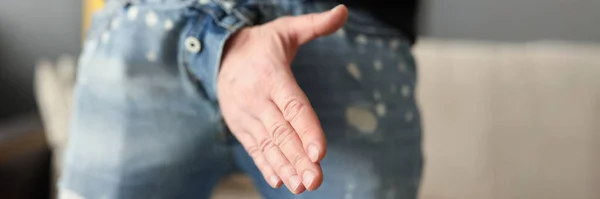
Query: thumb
[{"x": 304, "y": 28}]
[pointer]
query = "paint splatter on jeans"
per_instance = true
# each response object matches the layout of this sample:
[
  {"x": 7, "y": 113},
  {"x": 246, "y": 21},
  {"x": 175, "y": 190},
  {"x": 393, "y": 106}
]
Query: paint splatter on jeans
[{"x": 146, "y": 122}]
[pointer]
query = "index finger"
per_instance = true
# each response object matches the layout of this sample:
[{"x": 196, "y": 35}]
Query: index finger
[{"x": 296, "y": 109}]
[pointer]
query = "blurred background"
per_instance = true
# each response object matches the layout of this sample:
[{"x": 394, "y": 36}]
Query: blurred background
[{"x": 509, "y": 90}]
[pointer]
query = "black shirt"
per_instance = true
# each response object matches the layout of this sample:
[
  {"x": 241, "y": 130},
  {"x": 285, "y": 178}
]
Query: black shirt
[{"x": 400, "y": 14}]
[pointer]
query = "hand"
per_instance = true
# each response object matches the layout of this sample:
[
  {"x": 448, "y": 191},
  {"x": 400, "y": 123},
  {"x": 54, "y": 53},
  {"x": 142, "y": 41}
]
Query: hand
[{"x": 263, "y": 105}]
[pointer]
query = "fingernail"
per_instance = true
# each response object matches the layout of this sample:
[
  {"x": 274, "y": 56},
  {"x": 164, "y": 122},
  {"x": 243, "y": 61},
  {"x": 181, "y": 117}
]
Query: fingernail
[
  {"x": 274, "y": 180},
  {"x": 294, "y": 182},
  {"x": 313, "y": 153},
  {"x": 307, "y": 178}
]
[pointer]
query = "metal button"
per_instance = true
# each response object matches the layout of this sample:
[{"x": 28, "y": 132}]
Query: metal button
[
  {"x": 192, "y": 45},
  {"x": 203, "y": 2}
]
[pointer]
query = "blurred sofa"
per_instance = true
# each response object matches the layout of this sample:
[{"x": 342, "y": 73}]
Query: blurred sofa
[
  {"x": 501, "y": 120},
  {"x": 510, "y": 120}
]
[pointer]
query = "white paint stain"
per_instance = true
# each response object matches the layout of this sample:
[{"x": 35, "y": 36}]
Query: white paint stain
[
  {"x": 132, "y": 13},
  {"x": 361, "y": 39},
  {"x": 408, "y": 116},
  {"x": 227, "y": 5},
  {"x": 376, "y": 95},
  {"x": 90, "y": 44},
  {"x": 115, "y": 23},
  {"x": 68, "y": 194},
  {"x": 377, "y": 65},
  {"x": 379, "y": 42},
  {"x": 390, "y": 194},
  {"x": 361, "y": 119},
  {"x": 350, "y": 186},
  {"x": 348, "y": 195},
  {"x": 349, "y": 191},
  {"x": 168, "y": 25},
  {"x": 362, "y": 50},
  {"x": 354, "y": 70},
  {"x": 151, "y": 19},
  {"x": 402, "y": 67},
  {"x": 394, "y": 44},
  {"x": 151, "y": 56},
  {"x": 380, "y": 109},
  {"x": 203, "y": 2},
  {"x": 405, "y": 91},
  {"x": 341, "y": 32},
  {"x": 105, "y": 37}
]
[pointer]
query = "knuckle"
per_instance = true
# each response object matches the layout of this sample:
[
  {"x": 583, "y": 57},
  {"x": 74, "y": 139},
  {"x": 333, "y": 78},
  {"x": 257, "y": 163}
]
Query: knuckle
[
  {"x": 256, "y": 156},
  {"x": 253, "y": 152},
  {"x": 266, "y": 145},
  {"x": 309, "y": 131},
  {"x": 292, "y": 109},
  {"x": 285, "y": 170},
  {"x": 281, "y": 133},
  {"x": 302, "y": 134},
  {"x": 296, "y": 159}
]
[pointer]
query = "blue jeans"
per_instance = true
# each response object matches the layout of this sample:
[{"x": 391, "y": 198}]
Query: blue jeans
[{"x": 146, "y": 123}]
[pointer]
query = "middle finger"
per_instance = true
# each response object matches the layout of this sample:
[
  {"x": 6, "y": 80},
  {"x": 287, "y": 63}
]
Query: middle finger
[{"x": 281, "y": 134}]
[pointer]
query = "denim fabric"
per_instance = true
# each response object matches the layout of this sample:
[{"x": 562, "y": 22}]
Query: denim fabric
[{"x": 146, "y": 123}]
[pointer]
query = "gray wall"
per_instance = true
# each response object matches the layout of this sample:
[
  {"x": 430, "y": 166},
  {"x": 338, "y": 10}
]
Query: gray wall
[
  {"x": 29, "y": 30},
  {"x": 512, "y": 20}
]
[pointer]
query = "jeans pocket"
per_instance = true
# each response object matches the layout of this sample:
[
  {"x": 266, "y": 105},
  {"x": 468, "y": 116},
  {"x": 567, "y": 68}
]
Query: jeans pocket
[
  {"x": 202, "y": 42},
  {"x": 96, "y": 35}
]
